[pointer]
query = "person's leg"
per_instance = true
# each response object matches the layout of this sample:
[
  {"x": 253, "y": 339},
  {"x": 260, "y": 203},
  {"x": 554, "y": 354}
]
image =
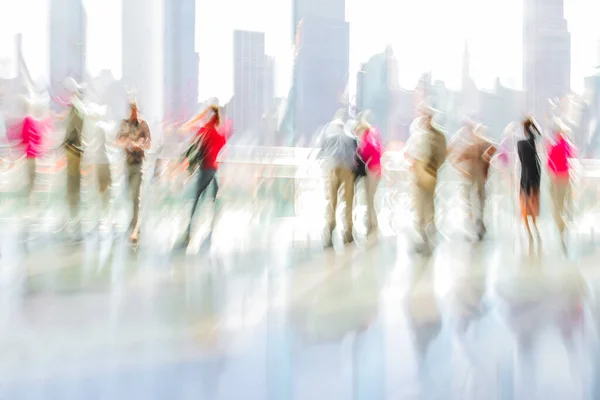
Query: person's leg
[
  {"x": 372, "y": 181},
  {"x": 558, "y": 191},
  {"x": 73, "y": 184},
  {"x": 567, "y": 204},
  {"x": 347, "y": 176},
  {"x": 429, "y": 216},
  {"x": 31, "y": 170},
  {"x": 467, "y": 195},
  {"x": 525, "y": 215},
  {"x": 480, "y": 208},
  {"x": 135, "y": 177},
  {"x": 534, "y": 201},
  {"x": 104, "y": 182},
  {"x": 205, "y": 177},
  {"x": 419, "y": 207},
  {"x": 333, "y": 185},
  {"x": 215, "y": 185}
]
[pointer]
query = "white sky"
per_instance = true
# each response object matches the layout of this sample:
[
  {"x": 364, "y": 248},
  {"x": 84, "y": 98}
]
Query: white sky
[{"x": 425, "y": 34}]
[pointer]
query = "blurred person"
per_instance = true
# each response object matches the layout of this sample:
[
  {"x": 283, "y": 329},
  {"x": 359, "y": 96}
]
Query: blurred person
[
  {"x": 471, "y": 152},
  {"x": 370, "y": 150},
  {"x": 73, "y": 143},
  {"x": 530, "y": 176},
  {"x": 506, "y": 152},
  {"x": 426, "y": 151},
  {"x": 203, "y": 153},
  {"x": 100, "y": 155},
  {"x": 30, "y": 135},
  {"x": 134, "y": 137},
  {"x": 338, "y": 151},
  {"x": 3, "y": 129},
  {"x": 560, "y": 151}
]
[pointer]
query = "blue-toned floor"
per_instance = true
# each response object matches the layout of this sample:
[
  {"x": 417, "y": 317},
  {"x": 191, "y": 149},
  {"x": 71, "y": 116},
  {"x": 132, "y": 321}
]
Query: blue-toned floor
[{"x": 266, "y": 314}]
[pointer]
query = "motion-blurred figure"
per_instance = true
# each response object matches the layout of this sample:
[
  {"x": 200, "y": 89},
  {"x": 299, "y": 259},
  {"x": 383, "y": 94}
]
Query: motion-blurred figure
[
  {"x": 471, "y": 153},
  {"x": 203, "y": 153},
  {"x": 134, "y": 137},
  {"x": 99, "y": 151},
  {"x": 426, "y": 151},
  {"x": 530, "y": 176},
  {"x": 29, "y": 134},
  {"x": 560, "y": 151},
  {"x": 73, "y": 144},
  {"x": 338, "y": 151},
  {"x": 506, "y": 152},
  {"x": 370, "y": 150}
]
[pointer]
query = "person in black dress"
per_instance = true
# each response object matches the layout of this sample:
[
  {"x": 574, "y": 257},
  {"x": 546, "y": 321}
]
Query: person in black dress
[{"x": 530, "y": 176}]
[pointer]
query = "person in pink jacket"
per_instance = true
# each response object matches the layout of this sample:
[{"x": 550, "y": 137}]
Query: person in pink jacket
[
  {"x": 29, "y": 134},
  {"x": 370, "y": 150},
  {"x": 560, "y": 152}
]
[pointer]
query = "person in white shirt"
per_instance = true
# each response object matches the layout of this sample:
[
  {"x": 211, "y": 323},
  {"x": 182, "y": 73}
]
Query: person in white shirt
[
  {"x": 470, "y": 153},
  {"x": 99, "y": 132},
  {"x": 338, "y": 150}
]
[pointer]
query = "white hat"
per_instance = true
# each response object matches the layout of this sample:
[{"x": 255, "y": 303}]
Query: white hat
[
  {"x": 73, "y": 86},
  {"x": 426, "y": 110}
]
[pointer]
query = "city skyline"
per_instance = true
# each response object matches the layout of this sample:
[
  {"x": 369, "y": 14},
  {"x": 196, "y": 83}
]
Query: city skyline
[{"x": 366, "y": 37}]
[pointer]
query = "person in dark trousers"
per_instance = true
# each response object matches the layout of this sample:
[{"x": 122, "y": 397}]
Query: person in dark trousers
[
  {"x": 203, "y": 153},
  {"x": 530, "y": 176}
]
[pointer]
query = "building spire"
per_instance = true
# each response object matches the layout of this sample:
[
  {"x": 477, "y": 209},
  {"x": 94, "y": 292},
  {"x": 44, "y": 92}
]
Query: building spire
[{"x": 466, "y": 65}]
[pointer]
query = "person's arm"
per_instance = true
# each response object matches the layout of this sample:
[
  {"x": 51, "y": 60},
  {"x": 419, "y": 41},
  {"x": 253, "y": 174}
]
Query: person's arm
[
  {"x": 122, "y": 138},
  {"x": 194, "y": 122},
  {"x": 72, "y": 126},
  {"x": 146, "y": 141},
  {"x": 489, "y": 153}
]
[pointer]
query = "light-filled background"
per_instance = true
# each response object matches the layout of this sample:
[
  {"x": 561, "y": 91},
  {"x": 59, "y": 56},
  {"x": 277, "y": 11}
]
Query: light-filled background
[{"x": 425, "y": 35}]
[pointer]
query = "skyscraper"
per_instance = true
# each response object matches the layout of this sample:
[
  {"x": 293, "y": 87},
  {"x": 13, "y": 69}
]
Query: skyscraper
[
  {"x": 67, "y": 41},
  {"x": 181, "y": 59},
  {"x": 546, "y": 53},
  {"x": 250, "y": 81},
  {"x": 320, "y": 67},
  {"x": 376, "y": 80},
  {"x": 334, "y": 10},
  {"x": 143, "y": 56}
]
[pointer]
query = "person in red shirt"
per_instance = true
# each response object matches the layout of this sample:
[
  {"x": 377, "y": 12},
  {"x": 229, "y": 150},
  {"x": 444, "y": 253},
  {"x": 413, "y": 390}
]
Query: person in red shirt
[
  {"x": 30, "y": 133},
  {"x": 560, "y": 152},
  {"x": 203, "y": 153},
  {"x": 370, "y": 150}
]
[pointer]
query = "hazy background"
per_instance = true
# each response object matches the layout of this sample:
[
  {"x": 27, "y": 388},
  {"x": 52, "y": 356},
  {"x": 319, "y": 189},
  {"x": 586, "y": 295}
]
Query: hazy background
[{"x": 425, "y": 35}]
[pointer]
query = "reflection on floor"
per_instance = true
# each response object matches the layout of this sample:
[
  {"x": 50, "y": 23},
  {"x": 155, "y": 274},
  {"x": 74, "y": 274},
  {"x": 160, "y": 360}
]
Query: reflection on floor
[{"x": 255, "y": 313}]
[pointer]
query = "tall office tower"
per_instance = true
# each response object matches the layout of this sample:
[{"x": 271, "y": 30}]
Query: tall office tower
[
  {"x": 376, "y": 81},
  {"x": 320, "y": 67},
  {"x": 546, "y": 53},
  {"x": 143, "y": 57},
  {"x": 334, "y": 10},
  {"x": 250, "y": 81},
  {"x": 269, "y": 83},
  {"x": 67, "y": 41},
  {"x": 181, "y": 59}
]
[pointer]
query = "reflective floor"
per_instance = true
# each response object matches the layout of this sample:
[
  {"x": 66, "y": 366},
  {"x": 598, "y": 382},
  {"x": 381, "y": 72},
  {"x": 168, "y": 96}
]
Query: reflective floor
[{"x": 256, "y": 313}]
